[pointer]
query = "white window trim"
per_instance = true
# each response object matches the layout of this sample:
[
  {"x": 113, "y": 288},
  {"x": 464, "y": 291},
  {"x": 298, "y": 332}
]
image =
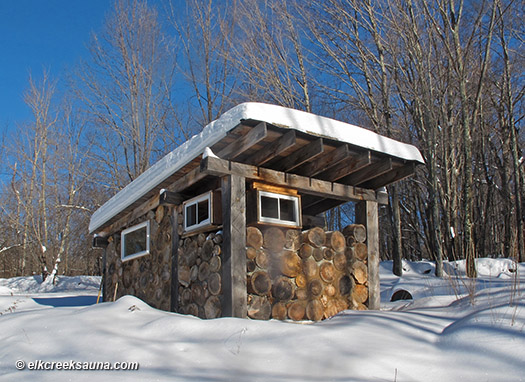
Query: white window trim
[
  {"x": 262, "y": 219},
  {"x": 197, "y": 200},
  {"x": 123, "y": 241}
]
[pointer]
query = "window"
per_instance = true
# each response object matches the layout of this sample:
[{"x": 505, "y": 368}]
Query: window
[
  {"x": 278, "y": 209},
  {"x": 135, "y": 241},
  {"x": 198, "y": 212}
]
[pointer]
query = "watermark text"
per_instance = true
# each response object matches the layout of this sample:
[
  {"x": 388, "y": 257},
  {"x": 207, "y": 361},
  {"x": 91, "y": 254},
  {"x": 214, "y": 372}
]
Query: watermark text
[{"x": 75, "y": 365}]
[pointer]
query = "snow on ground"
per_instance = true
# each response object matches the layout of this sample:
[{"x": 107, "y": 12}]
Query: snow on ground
[{"x": 454, "y": 329}]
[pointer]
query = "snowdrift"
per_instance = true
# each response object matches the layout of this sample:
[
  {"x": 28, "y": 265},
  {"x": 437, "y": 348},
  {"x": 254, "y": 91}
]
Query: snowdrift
[{"x": 450, "y": 330}]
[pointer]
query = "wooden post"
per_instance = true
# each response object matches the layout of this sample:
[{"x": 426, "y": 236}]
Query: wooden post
[
  {"x": 174, "y": 281},
  {"x": 234, "y": 246},
  {"x": 104, "y": 275},
  {"x": 366, "y": 213}
]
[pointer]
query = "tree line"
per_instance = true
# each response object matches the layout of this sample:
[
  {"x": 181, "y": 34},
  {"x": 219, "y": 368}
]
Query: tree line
[{"x": 444, "y": 75}]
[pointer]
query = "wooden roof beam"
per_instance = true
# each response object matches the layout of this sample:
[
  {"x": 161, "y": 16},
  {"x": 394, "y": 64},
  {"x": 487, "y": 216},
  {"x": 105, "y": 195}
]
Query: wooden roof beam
[
  {"x": 391, "y": 177},
  {"x": 305, "y": 185},
  {"x": 369, "y": 172},
  {"x": 273, "y": 149},
  {"x": 324, "y": 162},
  {"x": 301, "y": 156},
  {"x": 238, "y": 146},
  {"x": 346, "y": 167}
]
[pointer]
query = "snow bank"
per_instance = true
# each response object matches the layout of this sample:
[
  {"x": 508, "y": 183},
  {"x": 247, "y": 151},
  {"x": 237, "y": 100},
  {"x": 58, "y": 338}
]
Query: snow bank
[
  {"x": 33, "y": 284},
  {"x": 478, "y": 337}
]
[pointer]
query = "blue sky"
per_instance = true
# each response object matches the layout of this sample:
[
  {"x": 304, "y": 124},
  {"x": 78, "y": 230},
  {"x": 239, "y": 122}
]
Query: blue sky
[{"x": 37, "y": 34}]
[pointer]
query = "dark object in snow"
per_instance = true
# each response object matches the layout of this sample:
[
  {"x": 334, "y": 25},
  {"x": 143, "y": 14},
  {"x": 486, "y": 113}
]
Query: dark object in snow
[{"x": 401, "y": 295}]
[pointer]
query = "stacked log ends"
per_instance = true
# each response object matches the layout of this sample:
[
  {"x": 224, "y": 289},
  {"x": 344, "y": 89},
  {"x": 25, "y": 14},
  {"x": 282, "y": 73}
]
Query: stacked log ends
[
  {"x": 336, "y": 241},
  {"x": 147, "y": 277},
  {"x": 283, "y": 289},
  {"x": 259, "y": 283},
  {"x": 254, "y": 237},
  {"x": 274, "y": 239},
  {"x": 290, "y": 264},
  {"x": 310, "y": 275},
  {"x": 212, "y": 307},
  {"x": 359, "y": 270},
  {"x": 298, "y": 275},
  {"x": 259, "y": 307},
  {"x": 279, "y": 311},
  {"x": 199, "y": 275},
  {"x": 315, "y": 310},
  {"x": 360, "y": 251},
  {"x": 296, "y": 310},
  {"x": 315, "y": 236},
  {"x": 357, "y": 258},
  {"x": 355, "y": 232}
]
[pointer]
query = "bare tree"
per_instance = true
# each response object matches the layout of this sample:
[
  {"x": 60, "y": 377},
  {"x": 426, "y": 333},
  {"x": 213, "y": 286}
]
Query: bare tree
[
  {"x": 204, "y": 29},
  {"x": 45, "y": 204},
  {"x": 509, "y": 97},
  {"x": 270, "y": 55},
  {"x": 126, "y": 89}
]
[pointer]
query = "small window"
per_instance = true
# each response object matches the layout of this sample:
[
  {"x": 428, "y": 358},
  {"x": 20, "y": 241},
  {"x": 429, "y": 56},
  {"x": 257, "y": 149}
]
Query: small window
[
  {"x": 197, "y": 212},
  {"x": 278, "y": 209},
  {"x": 135, "y": 241}
]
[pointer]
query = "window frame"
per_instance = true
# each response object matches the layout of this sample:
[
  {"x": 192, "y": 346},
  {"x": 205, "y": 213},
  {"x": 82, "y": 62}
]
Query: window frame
[
  {"x": 268, "y": 220},
  {"x": 132, "y": 229},
  {"x": 195, "y": 201}
]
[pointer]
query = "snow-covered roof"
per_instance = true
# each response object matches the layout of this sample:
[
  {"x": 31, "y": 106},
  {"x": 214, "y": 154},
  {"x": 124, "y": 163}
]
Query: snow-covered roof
[{"x": 276, "y": 115}]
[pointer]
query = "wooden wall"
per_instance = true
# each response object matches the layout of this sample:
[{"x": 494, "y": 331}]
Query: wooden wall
[
  {"x": 310, "y": 275},
  {"x": 147, "y": 277},
  {"x": 199, "y": 275},
  {"x": 290, "y": 274}
]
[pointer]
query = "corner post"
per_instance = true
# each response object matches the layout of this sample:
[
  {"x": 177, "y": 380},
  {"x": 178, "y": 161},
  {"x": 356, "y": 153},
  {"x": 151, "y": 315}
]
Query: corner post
[
  {"x": 234, "y": 246},
  {"x": 366, "y": 213},
  {"x": 174, "y": 281}
]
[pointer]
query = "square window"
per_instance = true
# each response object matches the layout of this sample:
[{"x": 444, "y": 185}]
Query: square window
[
  {"x": 198, "y": 212},
  {"x": 135, "y": 241}
]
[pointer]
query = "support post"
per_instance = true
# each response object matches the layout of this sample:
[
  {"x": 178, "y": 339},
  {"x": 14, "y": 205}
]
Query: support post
[
  {"x": 104, "y": 281},
  {"x": 174, "y": 282},
  {"x": 234, "y": 246},
  {"x": 366, "y": 213}
]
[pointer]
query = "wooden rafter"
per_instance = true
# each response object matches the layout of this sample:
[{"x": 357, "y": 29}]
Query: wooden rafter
[
  {"x": 238, "y": 146},
  {"x": 300, "y": 156},
  {"x": 348, "y": 166},
  {"x": 273, "y": 149},
  {"x": 368, "y": 172},
  {"x": 324, "y": 162},
  {"x": 390, "y": 177}
]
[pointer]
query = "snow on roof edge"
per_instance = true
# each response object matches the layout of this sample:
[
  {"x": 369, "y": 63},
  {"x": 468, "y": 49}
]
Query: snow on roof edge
[
  {"x": 216, "y": 130},
  {"x": 166, "y": 166},
  {"x": 330, "y": 128}
]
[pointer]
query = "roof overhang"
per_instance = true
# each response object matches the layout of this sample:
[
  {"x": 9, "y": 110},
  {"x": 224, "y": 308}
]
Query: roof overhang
[{"x": 276, "y": 139}]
